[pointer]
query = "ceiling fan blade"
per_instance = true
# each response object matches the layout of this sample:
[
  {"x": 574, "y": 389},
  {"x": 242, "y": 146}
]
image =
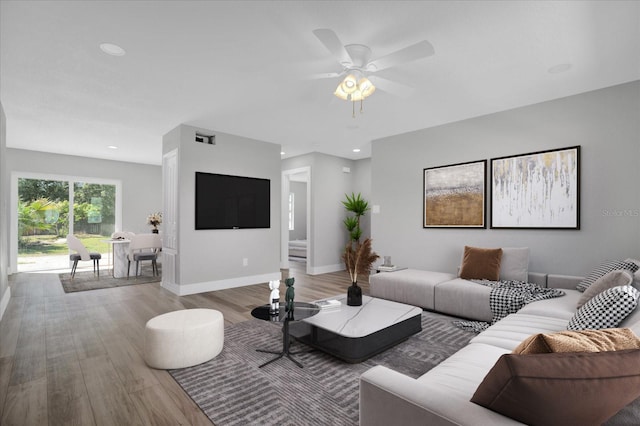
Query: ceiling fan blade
[
  {"x": 419, "y": 50},
  {"x": 333, "y": 44},
  {"x": 392, "y": 87},
  {"x": 324, "y": 75}
]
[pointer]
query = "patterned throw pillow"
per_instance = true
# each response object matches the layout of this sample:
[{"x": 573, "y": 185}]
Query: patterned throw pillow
[
  {"x": 606, "y": 310},
  {"x": 603, "y": 269}
]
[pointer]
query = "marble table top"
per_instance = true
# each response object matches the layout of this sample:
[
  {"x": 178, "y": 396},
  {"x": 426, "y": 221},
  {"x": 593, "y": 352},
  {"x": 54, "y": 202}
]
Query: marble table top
[{"x": 359, "y": 321}]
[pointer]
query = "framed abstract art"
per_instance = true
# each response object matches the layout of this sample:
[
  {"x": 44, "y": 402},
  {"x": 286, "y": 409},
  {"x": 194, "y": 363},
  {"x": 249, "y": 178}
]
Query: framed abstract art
[
  {"x": 454, "y": 196},
  {"x": 539, "y": 190}
]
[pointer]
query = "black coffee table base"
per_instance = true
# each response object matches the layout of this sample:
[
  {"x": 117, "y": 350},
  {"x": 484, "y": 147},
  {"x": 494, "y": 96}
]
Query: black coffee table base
[
  {"x": 301, "y": 311},
  {"x": 286, "y": 344}
]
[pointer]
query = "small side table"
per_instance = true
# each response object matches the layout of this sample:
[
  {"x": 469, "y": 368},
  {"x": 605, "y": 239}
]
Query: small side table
[{"x": 301, "y": 310}]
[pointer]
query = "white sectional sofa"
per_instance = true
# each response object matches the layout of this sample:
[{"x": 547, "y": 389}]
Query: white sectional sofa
[{"x": 442, "y": 395}]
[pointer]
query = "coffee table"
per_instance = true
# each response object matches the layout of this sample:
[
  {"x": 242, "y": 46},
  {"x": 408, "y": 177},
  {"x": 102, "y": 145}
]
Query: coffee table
[
  {"x": 301, "y": 310},
  {"x": 356, "y": 333}
]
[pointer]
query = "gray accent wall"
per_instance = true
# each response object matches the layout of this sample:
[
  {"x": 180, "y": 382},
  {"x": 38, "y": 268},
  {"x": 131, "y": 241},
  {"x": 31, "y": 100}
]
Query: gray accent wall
[
  {"x": 5, "y": 293},
  {"x": 212, "y": 259},
  {"x": 605, "y": 123}
]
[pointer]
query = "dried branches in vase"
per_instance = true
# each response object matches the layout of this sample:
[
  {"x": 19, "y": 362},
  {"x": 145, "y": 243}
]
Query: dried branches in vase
[{"x": 358, "y": 258}]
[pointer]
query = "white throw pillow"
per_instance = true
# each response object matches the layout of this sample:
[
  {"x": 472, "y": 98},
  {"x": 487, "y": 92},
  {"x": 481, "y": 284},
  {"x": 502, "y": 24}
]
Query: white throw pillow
[
  {"x": 515, "y": 264},
  {"x": 605, "y": 310}
]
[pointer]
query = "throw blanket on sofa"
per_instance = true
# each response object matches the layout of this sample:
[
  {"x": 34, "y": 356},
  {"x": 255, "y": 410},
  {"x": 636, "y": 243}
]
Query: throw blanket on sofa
[{"x": 508, "y": 297}]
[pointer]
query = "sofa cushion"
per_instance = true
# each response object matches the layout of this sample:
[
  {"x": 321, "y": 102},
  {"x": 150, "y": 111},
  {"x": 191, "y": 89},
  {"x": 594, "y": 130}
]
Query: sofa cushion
[
  {"x": 510, "y": 331},
  {"x": 603, "y": 269},
  {"x": 610, "y": 339},
  {"x": 605, "y": 310},
  {"x": 411, "y": 286},
  {"x": 561, "y": 388},
  {"x": 514, "y": 264},
  {"x": 463, "y": 298},
  {"x": 481, "y": 263},
  {"x": 559, "y": 307},
  {"x": 614, "y": 278}
]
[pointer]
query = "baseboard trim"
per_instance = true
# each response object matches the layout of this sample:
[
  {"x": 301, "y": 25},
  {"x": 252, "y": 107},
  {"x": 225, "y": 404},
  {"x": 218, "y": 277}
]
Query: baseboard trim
[
  {"x": 317, "y": 270},
  {"x": 4, "y": 302},
  {"x": 203, "y": 287}
]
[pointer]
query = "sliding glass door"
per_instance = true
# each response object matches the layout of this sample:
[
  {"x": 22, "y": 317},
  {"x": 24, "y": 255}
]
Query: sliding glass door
[{"x": 50, "y": 209}]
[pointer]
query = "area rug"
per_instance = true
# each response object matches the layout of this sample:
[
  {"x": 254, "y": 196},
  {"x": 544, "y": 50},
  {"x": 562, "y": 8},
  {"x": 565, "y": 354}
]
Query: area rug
[
  {"x": 232, "y": 390},
  {"x": 84, "y": 281}
]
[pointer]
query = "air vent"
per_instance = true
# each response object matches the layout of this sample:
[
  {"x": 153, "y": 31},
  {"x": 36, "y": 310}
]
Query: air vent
[{"x": 208, "y": 139}]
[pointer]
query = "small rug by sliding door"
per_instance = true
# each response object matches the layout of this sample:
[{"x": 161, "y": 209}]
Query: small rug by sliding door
[
  {"x": 87, "y": 280},
  {"x": 232, "y": 390}
]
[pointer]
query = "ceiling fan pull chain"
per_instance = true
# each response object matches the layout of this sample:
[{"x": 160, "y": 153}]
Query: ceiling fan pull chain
[
  {"x": 361, "y": 102},
  {"x": 353, "y": 105}
]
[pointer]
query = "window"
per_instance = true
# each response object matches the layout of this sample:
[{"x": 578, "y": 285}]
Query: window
[{"x": 291, "y": 210}]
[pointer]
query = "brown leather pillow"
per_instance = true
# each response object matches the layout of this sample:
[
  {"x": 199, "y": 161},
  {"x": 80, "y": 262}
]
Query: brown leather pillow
[
  {"x": 577, "y": 388},
  {"x": 481, "y": 263},
  {"x": 611, "y": 279},
  {"x": 608, "y": 339}
]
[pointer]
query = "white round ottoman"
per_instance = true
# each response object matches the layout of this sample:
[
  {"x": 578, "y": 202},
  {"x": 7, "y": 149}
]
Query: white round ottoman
[{"x": 183, "y": 338}]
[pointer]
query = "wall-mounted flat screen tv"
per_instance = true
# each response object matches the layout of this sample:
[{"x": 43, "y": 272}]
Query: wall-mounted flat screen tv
[{"x": 232, "y": 202}]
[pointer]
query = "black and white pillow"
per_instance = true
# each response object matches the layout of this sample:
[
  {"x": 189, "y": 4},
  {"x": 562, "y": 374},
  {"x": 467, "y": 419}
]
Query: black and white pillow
[
  {"x": 605, "y": 268},
  {"x": 605, "y": 310}
]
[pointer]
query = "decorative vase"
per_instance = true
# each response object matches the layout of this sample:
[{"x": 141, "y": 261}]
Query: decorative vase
[
  {"x": 155, "y": 230},
  {"x": 354, "y": 295}
]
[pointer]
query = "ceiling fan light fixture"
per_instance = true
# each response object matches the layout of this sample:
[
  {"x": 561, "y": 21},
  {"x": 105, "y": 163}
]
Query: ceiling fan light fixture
[
  {"x": 366, "y": 87},
  {"x": 349, "y": 84},
  {"x": 341, "y": 93}
]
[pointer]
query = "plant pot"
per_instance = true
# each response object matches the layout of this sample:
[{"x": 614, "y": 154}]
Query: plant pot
[{"x": 354, "y": 295}]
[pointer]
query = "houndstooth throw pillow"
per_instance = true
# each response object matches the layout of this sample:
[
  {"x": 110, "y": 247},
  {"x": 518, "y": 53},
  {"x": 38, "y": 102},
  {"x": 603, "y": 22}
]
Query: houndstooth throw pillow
[
  {"x": 604, "y": 269},
  {"x": 605, "y": 310}
]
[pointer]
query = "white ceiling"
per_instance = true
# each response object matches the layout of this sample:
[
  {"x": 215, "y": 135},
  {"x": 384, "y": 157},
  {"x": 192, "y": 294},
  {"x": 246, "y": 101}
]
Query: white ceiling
[{"x": 242, "y": 67}]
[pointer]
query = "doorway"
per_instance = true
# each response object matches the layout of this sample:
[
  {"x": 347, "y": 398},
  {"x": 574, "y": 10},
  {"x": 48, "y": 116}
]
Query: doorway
[{"x": 297, "y": 234}]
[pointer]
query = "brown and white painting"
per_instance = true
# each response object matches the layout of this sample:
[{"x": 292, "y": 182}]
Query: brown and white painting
[
  {"x": 454, "y": 196},
  {"x": 538, "y": 190}
]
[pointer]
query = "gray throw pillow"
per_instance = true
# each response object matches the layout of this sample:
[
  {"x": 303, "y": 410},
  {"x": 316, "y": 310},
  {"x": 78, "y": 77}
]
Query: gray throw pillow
[{"x": 611, "y": 279}]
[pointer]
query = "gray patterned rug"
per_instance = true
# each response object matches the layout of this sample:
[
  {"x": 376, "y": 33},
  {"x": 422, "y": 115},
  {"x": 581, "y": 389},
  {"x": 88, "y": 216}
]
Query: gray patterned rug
[{"x": 232, "y": 390}]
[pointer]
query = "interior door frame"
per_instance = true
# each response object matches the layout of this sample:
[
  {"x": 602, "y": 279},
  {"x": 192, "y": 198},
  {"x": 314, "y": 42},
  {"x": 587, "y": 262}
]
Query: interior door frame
[{"x": 284, "y": 239}]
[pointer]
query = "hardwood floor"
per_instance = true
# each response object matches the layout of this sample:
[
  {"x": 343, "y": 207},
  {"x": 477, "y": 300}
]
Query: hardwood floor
[{"x": 76, "y": 359}]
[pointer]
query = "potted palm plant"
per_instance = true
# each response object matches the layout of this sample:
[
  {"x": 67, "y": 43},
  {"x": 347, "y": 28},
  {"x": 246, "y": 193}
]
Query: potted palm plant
[{"x": 358, "y": 257}]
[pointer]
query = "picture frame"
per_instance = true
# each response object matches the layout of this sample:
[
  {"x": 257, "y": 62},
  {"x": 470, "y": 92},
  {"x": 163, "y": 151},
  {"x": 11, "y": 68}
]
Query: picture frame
[
  {"x": 537, "y": 190},
  {"x": 454, "y": 196}
]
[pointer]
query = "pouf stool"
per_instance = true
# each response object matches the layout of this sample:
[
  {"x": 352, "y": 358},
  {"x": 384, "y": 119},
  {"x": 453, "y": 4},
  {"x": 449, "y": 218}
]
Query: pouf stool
[{"x": 183, "y": 338}]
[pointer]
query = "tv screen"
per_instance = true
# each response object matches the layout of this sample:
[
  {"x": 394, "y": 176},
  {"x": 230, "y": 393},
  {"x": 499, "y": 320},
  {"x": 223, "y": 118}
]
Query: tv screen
[{"x": 232, "y": 202}]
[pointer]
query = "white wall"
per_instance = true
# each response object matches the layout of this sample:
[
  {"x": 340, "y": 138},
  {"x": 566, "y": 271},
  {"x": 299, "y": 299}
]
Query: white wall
[
  {"x": 604, "y": 122},
  {"x": 5, "y": 292},
  {"x": 213, "y": 259}
]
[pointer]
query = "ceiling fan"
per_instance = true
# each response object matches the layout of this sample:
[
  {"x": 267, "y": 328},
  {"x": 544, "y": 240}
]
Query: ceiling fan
[{"x": 357, "y": 64}]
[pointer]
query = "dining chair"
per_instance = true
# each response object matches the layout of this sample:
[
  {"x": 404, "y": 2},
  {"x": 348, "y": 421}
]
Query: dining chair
[
  {"x": 81, "y": 253},
  {"x": 144, "y": 247}
]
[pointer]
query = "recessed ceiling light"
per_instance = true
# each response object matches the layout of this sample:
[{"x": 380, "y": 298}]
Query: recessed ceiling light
[
  {"x": 557, "y": 69},
  {"x": 112, "y": 147},
  {"x": 282, "y": 152},
  {"x": 112, "y": 49},
  {"x": 356, "y": 149}
]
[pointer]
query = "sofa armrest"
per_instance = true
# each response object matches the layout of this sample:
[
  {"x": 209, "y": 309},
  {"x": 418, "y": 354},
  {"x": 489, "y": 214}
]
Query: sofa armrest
[
  {"x": 563, "y": 281},
  {"x": 391, "y": 398}
]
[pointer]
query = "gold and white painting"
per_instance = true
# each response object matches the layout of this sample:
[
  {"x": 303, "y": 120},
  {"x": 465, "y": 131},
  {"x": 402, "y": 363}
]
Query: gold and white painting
[
  {"x": 536, "y": 190},
  {"x": 454, "y": 196}
]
